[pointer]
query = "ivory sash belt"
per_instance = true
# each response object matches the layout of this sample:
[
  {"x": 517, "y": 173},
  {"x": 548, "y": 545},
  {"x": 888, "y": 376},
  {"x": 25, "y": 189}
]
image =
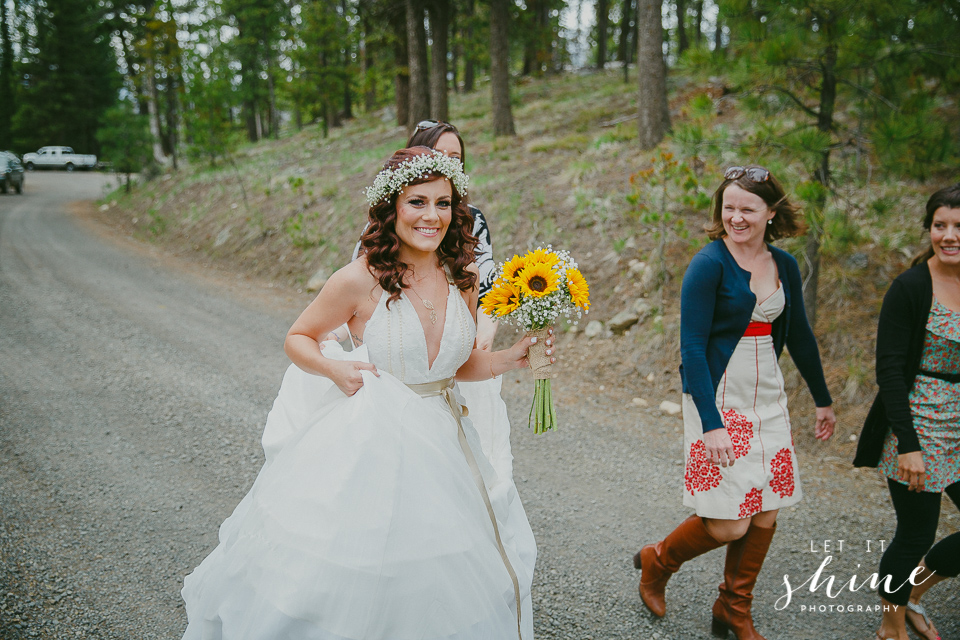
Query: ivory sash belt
[{"x": 444, "y": 388}]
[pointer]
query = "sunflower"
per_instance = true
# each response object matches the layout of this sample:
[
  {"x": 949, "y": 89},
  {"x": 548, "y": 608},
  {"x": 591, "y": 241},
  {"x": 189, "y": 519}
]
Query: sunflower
[
  {"x": 579, "y": 291},
  {"x": 542, "y": 256},
  {"x": 537, "y": 280},
  {"x": 513, "y": 267},
  {"x": 503, "y": 298}
]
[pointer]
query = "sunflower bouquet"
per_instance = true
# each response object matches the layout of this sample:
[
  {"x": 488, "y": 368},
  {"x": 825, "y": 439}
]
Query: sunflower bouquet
[{"x": 531, "y": 291}]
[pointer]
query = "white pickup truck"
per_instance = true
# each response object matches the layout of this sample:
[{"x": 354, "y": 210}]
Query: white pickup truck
[{"x": 58, "y": 158}]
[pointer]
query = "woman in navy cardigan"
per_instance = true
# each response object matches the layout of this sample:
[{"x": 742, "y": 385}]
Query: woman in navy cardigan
[
  {"x": 912, "y": 433},
  {"x": 740, "y": 304}
]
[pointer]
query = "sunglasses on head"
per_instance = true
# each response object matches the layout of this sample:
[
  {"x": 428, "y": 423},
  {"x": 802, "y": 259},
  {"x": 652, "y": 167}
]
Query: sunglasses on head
[
  {"x": 425, "y": 125},
  {"x": 756, "y": 174}
]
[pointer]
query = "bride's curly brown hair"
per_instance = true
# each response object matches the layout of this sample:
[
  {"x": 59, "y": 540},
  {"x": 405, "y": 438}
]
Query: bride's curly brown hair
[{"x": 381, "y": 244}]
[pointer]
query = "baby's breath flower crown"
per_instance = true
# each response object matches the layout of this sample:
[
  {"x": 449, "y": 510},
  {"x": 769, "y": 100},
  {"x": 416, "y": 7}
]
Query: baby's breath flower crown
[{"x": 392, "y": 180}]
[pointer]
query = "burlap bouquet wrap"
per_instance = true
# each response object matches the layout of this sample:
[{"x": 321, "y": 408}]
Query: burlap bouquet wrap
[{"x": 537, "y": 355}]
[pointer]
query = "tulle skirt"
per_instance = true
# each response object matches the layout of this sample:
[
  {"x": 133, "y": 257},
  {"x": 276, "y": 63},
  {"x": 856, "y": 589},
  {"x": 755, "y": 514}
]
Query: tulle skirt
[{"x": 364, "y": 523}]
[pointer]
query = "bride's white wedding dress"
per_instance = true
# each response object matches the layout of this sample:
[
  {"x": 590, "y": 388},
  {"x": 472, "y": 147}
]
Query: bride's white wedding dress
[{"x": 367, "y": 520}]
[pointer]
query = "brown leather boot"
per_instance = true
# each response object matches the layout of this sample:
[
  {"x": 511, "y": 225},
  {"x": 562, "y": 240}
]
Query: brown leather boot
[
  {"x": 731, "y": 611},
  {"x": 659, "y": 561}
]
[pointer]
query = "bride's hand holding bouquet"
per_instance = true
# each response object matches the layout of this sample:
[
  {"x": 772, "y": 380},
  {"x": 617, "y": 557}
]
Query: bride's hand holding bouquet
[{"x": 531, "y": 291}]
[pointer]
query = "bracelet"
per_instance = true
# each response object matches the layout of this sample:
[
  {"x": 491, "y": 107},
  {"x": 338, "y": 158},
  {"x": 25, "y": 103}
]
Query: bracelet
[
  {"x": 337, "y": 336},
  {"x": 492, "y": 374}
]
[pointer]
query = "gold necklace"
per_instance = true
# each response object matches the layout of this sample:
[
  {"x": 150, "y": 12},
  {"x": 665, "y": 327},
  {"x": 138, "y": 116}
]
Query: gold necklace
[{"x": 426, "y": 303}]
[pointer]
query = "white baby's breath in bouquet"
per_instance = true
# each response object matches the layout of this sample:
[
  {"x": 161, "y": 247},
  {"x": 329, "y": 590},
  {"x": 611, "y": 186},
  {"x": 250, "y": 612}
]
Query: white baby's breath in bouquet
[{"x": 531, "y": 291}]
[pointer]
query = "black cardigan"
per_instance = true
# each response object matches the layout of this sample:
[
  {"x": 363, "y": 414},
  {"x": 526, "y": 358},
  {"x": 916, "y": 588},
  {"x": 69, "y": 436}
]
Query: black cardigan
[{"x": 900, "y": 336}]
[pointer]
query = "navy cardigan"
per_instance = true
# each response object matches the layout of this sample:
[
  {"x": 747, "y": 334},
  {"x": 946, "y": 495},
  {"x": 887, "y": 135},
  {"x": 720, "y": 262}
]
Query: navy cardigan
[
  {"x": 715, "y": 308},
  {"x": 901, "y": 332}
]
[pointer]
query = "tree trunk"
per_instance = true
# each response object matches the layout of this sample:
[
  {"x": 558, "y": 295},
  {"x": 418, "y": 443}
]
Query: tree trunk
[
  {"x": 623, "y": 43},
  {"x": 627, "y": 20},
  {"x": 828, "y": 97},
  {"x": 682, "y": 42},
  {"x": 654, "y": 118},
  {"x": 401, "y": 78},
  {"x": 417, "y": 61},
  {"x": 439, "y": 30},
  {"x": 698, "y": 32},
  {"x": 369, "y": 86},
  {"x": 469, "y": 61},
  {"x": 6, "y": 79},
  {"x": 456, "y": 50},
  {"x": 345, "y": 74},
  {"x": 500, "y": 68},
  {"x": 274, "y": 112},
  {"x": 152, "y": 111},
  {"x": 718, "y": 36},
  {"x": 603, "y": 20},
  {"x": 173, "y": 119}
]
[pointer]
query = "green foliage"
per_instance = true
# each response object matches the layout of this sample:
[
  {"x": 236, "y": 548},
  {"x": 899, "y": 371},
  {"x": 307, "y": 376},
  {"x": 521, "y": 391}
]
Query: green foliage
[
  {"x": 209, "y": 100},
  {"x": 303, "y": 230},
  {"x": 913, "y": 141},
  {"x": 125, "y": 140},
  {"x": 68, "y": 77},
  {"x": 841, "y": 234},
  {"x": 663, "y": 194},
  {"x": 697, "y": 135},
  {"x": 571, "y": 142},
  {"x": 7, "y": 102}
]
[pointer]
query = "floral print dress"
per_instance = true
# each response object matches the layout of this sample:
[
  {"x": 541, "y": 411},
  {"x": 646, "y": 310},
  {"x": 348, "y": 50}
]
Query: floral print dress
[
  {"x": 753, "y": 404},
  {"x": 935, "y": 405}
]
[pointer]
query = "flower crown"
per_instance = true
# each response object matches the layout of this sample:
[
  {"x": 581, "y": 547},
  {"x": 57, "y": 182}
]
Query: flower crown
[{"x": 392, "y": 180}]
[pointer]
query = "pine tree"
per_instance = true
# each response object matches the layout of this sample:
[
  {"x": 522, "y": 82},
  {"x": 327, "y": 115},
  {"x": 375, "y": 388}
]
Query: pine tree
[
  {"x": 603, "y": 21},
  {"x": 125, "y": 140},
  {"x": 439, "y": 11},
  {"x": 821, "y": 59},
  {"x": 417, "y": 64},
  {"x": 70, "y": 76},
  {"x": 7, "y": 104},
  {"x": 654, "y": 115},
  {"x": 500, "y": 68}
]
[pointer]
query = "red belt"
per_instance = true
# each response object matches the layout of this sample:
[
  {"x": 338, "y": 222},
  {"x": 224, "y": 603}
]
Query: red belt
[{"x": 758, "y": 329}]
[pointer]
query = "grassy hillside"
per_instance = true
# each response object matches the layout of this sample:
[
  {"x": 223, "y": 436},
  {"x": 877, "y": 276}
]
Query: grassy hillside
[{"x": 286, "y": 209}]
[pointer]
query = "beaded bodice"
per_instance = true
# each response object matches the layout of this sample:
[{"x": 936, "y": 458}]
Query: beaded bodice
[{"x": 396, "y": 342}]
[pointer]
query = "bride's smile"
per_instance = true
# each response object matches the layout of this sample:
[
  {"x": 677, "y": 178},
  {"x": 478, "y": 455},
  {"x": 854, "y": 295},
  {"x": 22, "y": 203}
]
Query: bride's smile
[{"x": 423, "y": 215}]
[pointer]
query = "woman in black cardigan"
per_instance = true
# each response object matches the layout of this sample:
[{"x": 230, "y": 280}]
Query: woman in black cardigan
[{"x": 912, "y": 433}]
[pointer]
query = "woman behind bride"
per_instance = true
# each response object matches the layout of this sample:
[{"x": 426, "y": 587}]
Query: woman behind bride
[{"x": 376, "y": 520}]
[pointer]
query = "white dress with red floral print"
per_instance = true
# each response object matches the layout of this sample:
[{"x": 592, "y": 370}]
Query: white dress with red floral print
[{"x": 753, "y": 403}]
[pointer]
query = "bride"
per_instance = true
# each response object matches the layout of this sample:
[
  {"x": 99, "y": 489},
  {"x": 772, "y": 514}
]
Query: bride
[{"x": 375, "y": 516}]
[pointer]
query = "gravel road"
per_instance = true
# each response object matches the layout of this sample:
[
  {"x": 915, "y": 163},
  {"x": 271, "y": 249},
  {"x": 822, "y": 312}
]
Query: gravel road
[{"x": 133, "y": 388}]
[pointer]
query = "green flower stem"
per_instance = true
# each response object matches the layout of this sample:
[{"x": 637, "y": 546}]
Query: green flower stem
[{"x": 543, "y": 414}]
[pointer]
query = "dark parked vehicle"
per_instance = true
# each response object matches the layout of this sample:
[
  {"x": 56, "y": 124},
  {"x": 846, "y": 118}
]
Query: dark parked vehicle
[{"x": 11, "y": 173}]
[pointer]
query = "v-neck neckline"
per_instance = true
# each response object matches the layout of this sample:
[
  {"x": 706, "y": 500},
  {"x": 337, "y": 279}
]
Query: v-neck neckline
[{"x": 423, "y": 329}]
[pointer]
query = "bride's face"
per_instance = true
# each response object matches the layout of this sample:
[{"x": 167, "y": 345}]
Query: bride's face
[{"x": 423, "y": 214}]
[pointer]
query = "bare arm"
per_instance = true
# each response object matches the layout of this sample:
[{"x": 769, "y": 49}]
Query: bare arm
[
  {"x": 484, "y": 365},
  {"x": 486, "y": 330},
  {"x": 344, "y": 296}
]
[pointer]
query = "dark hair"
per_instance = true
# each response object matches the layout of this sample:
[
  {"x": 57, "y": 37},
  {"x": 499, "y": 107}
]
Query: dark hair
[
  {"x": 381, "y": 245},
  {"x": 429, "y": 138},
  {"x": 785, "y": 224},
  {"x": 948, "y": 197}
]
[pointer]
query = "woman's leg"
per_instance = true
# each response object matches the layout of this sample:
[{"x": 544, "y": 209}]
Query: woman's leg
[
  {"x": 944, "y": 557},
  {"x": 745, "y": 556},
  {"x": 942, "y": 562},
  {"x": 917, "y": 517},
  {"x": 659, "y": 561}
]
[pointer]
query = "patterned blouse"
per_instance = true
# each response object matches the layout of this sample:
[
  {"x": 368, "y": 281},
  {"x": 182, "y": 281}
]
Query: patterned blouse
[{"x": 935, "y": 404}]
